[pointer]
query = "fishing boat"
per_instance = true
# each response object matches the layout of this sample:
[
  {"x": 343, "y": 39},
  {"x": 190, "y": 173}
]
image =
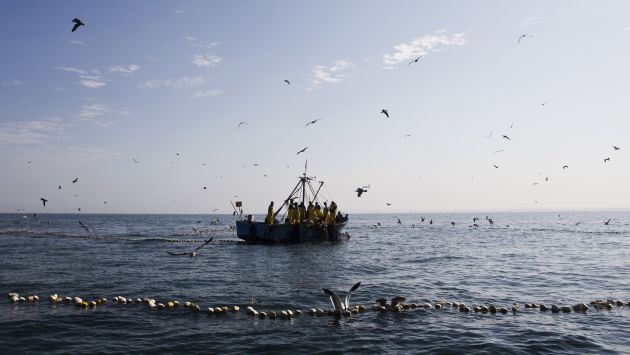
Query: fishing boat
[{"x": 283, "y": 232}]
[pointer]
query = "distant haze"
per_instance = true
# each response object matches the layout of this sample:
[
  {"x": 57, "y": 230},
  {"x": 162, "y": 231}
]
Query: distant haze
[{"x": 146, "y": 80}]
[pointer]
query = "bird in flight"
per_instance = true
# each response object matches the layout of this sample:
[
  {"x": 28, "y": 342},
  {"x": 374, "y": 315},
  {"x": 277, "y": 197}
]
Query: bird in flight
[
  {"x": 546, "y": 178},
  {"x": 565, "y": 167},
  {"x": 360, "y": 191},
  {"x": 543, "y": 104},
  {"x": 286, "y": 81},
  {"x": 241, "y": 123},
  {"x": 301, "y": 151},
  {"x": 59, "y": 187},
  {"x": 523, "y": 36},
  {"x": 506, "y": 137},
  {"x": 312, "y": 122},
  {"x": 214, "y": 210},
  {"x": 414, "y": 61},
  {"x": 534, "y": 184},
  {"x": 205, "y": 188},
  {"x": 384, "y": 111},
  {"x": 135, "y": 160},
  {"x": 407, "y": 135},
  {"x": 44, "y": 201},
  {"x": 489, "y": 135},
  {"x": 607, "y": 222},
  {"x": 498, "y": 151},
  {"x": 388, "y": 204},
  {"x": 606, "y": 160},
  {"x": 75, "y": 180},
  {"x": 495, "y": 166},
  {"x": 256, "y": 164},
  {"x": 77, "y": 24},
  {"x": 614, "y": 147}
]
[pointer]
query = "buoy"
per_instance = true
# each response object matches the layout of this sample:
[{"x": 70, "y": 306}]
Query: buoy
[
  {"x": 15, "y": 298},
  {"x": 467, "y": 309},
  {"x": 290, "y": 312},
  {"x": 492, "y": 309},
  {"x": 236, "y": 309},
  {"x": 312, "y": 311},
  {"x": 555, "y": 309},
  {"x": 272, "y": 315},
  {"x": 53, "y": 298},
  {"x": 484, "y": 309},
  {"x": 620, "y": 303},
  {"x": 115, "y": 298},
  {"x": 320, "y": 312},
  {"x": 196, "y": 308},
  {"x": 543, "y": 308},
  {"x": 347, "y": 313},
  {"x": 477, "y": 309},
  {"x": 528, "y": 305},
  {"x": 92, "y": 304},
  {"x": 438, "y": 306},
  {"x": 354, "y": 310},
  {"x": 284, "y": 314},
  {"x": 565, "y": 309},
  {"x": 210, "y": 310},
  {"x": 262, "y": 315},
  {"x": 67, "y": 299},
  {"x": 382, "y": 309},
  {"x": 78, "y": 301},
  {"x": 406, "y": 306},
  {"x": 187, "y": 304},
  {"x": 85, "y": 304},
  {"x": 514, "y": 309},
  {"x": 218, "y": 310},
  {"x": 503, "y": 310},
  {"x": 160, "y": 306},
  {"x": 30, "y": 298},
  {"x": 298, "y": 312},
  {"x": 225, "y": 309},
  {"x": 170, "y": 304},
  {"x": 140, "y": 301},
  {"x": 427, "y": 305},
  {"x": 361, "y": 308},
  {"x": 455, "y": 305}
]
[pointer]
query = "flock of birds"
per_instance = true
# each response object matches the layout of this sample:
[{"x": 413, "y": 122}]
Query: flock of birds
[{"x": 77, "y": 23}]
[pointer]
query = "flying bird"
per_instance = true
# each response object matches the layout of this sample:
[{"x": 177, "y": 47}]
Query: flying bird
[
  {"x": 301, "y": 151},
  {"x": 388, "y": 204},
  {"x": 607, "y": 222},
  {"x": 312, "y": 122},
  {"x": 614, "y": 147},
  {"x": 286, "y": 81},
  {"x": 489, "y": 135},
  {"x": 384, "y": 111},
  {"x": 495, "y": 166},
  {"x": 59, "y": 187},
  {"x": 241, "y": 123},
  {"x": 506, "y": 137},
  {"x": 214, "y": 210},
  {"x": 522, "y": 36},
  {"x": 337, "y": 303},
  {"x": 565, "y": 167},
  {"x": 44, "y": 201},
  {"x": 75, "y": 180},
  {"x": 606, "y": 160},
  {"x": 360, "y": 191},
  {"x": 414, "y": 61},
  {"x": 543, "y": 104},
  {"x": 534, "y": 184},
  {"x": 135, "y": 160},
  {"x": 498, "y": 151},
  {"x": 204, "y": 188},
  {"x": 77, "y": 24},
  {"x": 407, "y": 135},
  {"x": 84, "y": 226}
]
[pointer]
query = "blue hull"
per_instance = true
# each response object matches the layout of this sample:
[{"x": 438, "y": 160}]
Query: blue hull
[{"x": 260, "y": 232}]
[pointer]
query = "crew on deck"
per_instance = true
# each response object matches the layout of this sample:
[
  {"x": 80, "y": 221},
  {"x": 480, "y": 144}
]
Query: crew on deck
[{"x": 270, "y": 217}]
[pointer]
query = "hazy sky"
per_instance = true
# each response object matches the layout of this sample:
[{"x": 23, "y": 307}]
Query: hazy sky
[{"x": 146, "y": 80}]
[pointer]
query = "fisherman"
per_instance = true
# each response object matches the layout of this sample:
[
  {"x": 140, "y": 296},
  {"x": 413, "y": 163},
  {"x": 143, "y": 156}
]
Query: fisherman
[
  {"x": 301, "y": 213},
  {"x": 290, "y": 213},
  {"x": 310, "y": 212},
  {"x": 339, "y": 217},
  {"x": 318, "y": 211},
  {"x": 269, "y": 219},
  {"x": 332, "y": 213},
  {"x": 325, "y": 212}
]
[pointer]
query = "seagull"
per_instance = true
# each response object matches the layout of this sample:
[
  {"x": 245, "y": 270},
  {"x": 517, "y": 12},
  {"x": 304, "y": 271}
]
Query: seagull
[
  {"x": 498, "y": 151},
  {"x": 606, "y": 160},
  {"x": 506, "y": 137},
  {"x": 360, "y": 191},
  {"x": 534, "y": 184},
  {"x": 313, "y": 122},
  {"x": 301, "y": 151},
  {"x": 204, "y": 188},
  {"x": 28, "y": 162},
  {"x": 388, "y": 204},
  {"x": 75, "y": 180},
  {"x": 489, "y": 135},
  {"x": 84, "y": 226},
  {"x": 607, "y": 222},
  {"x": 77, "y": 24},
  {"x": 44, "y": 201},
  {"x": 614, "y": 147},
  {"x": 495, "y": 166},
  {"x": 193, "y": 253},
  {"x": 79, "y": 209},
  {"x": 286, "y": 81},
  {"x": 543, "y": 104},
  {"x": 414, "y": 61},
  {"x": 546, "y": 178},
  {"x": 135, "y": 160},
  {"x": 59, "y": 188},
  {"x": 523, "y": 36},
  {"x": 214, "y": 210},
  {"x": 336, "y": 301},
  {"x": 242, "y": 123},
  {"x": 384, "y": 111},
  {"x": 407, "y": 135},
  {"x": 565, "y": 167}
]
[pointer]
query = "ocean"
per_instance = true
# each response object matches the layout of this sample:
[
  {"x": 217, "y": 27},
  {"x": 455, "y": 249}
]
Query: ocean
[{"x": 544, "y": 258}]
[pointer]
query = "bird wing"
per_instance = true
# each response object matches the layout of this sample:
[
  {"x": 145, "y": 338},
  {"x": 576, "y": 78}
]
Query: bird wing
[
  {"x": 346, "y": 301},
  {"x": 204, "y": 244},
  {"x": 76, "y": 25},
  {"x": 336, "y": 301}
]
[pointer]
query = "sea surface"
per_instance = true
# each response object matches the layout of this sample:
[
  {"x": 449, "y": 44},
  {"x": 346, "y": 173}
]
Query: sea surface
[{"x": 549, "y": 258}]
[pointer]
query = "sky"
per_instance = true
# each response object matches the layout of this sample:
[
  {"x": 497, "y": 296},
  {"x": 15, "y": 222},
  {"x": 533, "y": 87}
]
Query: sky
[{"x": 143, "y": 105}]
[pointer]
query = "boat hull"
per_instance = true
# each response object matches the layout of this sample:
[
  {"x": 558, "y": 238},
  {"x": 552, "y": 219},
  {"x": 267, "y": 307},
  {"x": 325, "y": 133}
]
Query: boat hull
[{"x": 260, "y": 232}]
